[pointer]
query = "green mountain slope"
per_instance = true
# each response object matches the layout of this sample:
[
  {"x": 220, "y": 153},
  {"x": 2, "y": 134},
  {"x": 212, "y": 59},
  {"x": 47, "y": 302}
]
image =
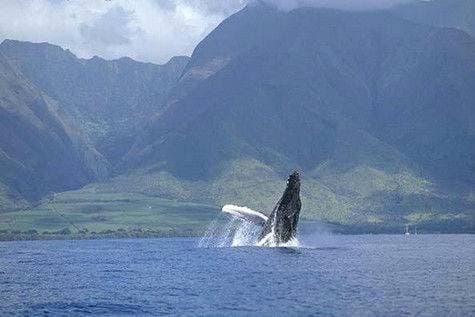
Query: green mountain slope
[
  {"x": 109, "y": 100},
  {"x": 375, "y": 110},
  {"x": 41, "y": 149},
  {"x": 65, "y": 121}
]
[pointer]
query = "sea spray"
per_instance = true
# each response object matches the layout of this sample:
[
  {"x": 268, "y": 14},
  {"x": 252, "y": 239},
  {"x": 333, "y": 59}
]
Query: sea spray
[
  {"x": 241, "y": 229},
  {"x": 232, "y": 232},
  {"x": 316, "y": 234},
  {"x": 235, "y": 232},
  {"x": 246, "y": 234},
  {"x": 218, "y": 234}
]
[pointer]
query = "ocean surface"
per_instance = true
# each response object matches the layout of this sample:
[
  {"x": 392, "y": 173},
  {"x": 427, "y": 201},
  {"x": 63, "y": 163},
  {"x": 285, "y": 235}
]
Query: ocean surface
[{"x": 327, "y": 275}]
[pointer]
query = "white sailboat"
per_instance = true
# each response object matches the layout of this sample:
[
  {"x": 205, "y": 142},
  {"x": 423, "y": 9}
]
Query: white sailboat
[{"x": 407, "y": 231}]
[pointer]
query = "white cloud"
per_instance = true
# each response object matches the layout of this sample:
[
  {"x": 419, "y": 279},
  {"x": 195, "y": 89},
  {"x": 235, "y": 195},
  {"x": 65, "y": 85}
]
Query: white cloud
[{"x": 145, "y": 30}]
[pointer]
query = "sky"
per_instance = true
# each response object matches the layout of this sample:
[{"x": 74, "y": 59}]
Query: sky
[{"x": 146, "y": 30}]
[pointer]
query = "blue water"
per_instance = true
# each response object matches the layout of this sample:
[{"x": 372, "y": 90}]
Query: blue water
[{"x": 423, "y": 275}]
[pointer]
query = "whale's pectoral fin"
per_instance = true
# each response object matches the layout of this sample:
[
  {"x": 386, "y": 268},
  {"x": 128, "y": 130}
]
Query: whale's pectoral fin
[{"x": 246, "y": 214}]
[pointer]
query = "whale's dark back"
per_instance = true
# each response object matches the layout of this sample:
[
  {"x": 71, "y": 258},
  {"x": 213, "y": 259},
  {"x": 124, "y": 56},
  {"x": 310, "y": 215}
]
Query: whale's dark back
[{"x": 285, "y": 216}]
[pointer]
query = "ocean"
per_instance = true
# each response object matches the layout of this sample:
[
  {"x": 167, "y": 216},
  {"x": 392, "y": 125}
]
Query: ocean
[{"x": 324, "y": 275}]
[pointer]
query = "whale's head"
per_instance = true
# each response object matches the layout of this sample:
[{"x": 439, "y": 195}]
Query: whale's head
[{"x": 294, "y": 181}]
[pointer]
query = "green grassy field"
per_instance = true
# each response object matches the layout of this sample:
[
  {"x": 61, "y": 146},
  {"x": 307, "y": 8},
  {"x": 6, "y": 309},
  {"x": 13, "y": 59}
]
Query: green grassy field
[
  {"x": 154, "y": 203},
  {"x": 95, "y": 213}
]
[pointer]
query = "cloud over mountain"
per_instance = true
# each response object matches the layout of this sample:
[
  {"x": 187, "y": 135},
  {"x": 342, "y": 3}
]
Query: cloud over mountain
[{"x": 145, "y": 30}]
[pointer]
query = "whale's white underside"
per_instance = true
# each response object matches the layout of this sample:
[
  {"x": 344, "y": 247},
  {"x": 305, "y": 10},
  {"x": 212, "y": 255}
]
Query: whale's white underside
[{"x": 246, "y": 214}]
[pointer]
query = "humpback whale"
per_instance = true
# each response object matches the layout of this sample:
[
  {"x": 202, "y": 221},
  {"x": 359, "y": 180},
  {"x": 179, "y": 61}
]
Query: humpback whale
[{"x": 281, "y": 225}]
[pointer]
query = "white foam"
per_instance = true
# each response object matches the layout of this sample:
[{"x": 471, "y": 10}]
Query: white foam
[{"x": 245, "y": 235}]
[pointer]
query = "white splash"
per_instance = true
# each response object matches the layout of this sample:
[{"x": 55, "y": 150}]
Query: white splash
[
  {"x": 245, "y": 235},
  {"x": 242, "y": 229},
  {"x": 272, "y": 243}
]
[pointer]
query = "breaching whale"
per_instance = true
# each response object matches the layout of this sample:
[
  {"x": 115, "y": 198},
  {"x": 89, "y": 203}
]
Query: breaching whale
[{"x": 281, "y": 225}]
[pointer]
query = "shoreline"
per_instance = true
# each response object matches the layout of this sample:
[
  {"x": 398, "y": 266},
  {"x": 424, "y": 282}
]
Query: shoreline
[
  {"x": 5, "y": 237},
  {"x": 98, "y": 236},
  {"x": 306, "y": 227}
]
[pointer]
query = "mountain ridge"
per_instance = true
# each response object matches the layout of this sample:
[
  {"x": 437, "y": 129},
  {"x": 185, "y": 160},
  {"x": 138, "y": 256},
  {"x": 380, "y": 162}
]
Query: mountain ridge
[
  {"x": 107, "y": 98},
  {"x": 38, "y": 138}
]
